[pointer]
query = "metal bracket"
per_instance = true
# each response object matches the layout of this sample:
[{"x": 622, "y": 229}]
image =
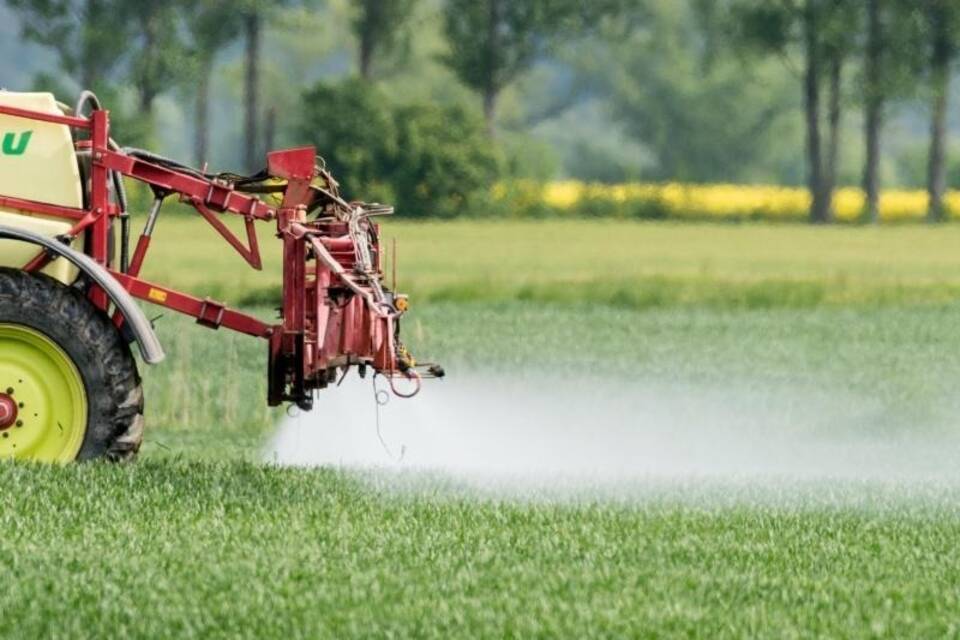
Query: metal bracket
[{"x": 211, "y": 314}]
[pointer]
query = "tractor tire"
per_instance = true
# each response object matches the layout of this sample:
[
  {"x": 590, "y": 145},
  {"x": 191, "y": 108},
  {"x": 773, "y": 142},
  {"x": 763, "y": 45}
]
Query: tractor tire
[{"x": 66, "y": 374}]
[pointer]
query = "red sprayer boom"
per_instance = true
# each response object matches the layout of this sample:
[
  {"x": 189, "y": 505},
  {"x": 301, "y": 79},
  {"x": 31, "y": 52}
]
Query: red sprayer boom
[{"x": 335, "y": 313}]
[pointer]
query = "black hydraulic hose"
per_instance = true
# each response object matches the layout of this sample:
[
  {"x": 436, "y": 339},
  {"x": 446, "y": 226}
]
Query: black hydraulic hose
[
  {"x": 124, "y": 220},
  {"x": 85, "y": 97},
  {"x": 124, "y": 243},
  {"x": 143, "y": 154},
  {"x": 120, "y": 189},
  {"x": 240, "y": 182},
  {"x": 88, "y": 97}
]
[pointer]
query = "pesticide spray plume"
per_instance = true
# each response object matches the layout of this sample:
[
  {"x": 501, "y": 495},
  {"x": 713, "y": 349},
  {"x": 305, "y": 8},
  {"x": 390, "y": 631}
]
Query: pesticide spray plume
[{"x": 526, "y": 434}]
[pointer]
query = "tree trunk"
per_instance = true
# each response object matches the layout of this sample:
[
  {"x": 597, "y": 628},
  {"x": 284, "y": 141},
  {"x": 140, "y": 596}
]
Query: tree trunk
[
  {"x": 490, "y": 110},
  {"x": 201, "y": 135},
  {"x": 367, "y": 39},
  {"x": 834, "y": 116},
  {"x": 89, "y": 71},
  {"x": 366, "y": 58},
  {"x": 940, "y": 81},
  {"x": 819, "y": 210},
  {"x": 147, "y": 88},
  {"x": 252, "y": 92},
  {"x": 491, "y": 88},
  {"x": 270, "y": 130},
  {"x": 873, "y": 117}
]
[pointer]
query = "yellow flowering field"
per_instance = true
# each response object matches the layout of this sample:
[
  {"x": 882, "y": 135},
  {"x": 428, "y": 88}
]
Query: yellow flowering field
[{"x": 699, "y": 202}]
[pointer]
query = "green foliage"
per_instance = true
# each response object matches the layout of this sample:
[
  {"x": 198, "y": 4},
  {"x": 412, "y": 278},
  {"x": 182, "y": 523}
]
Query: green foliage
[
  {"x": 159, "y": 57},
  {"x": 127, "y": 121},
  {"x": 597, "y": 163},
  {"x": 426, "y": 159},
  {"x": 694, "y": 89},
  {"x": 212, "y": 24},
  {"x": 380, "y": 28},
  {"x": 352, "y": 127},
  {"x": 704, "y": 116},
  {"x": 444, "y": 160},
  {"x": 527, "y": 157},
  {"x": 88, "y": 36},
  {"x": 761, "y": 27},
  {"x": 94, "y": 39},
  {"x": 493, "y": 41}
]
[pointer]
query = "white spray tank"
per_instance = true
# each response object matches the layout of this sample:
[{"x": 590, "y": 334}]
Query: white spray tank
[{"x": 37, "y": 162}]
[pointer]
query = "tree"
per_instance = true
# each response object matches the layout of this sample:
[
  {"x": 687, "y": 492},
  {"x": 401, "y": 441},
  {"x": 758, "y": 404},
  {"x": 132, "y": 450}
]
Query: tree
[
  {"x": 841, "y": 18},
  {"x": 354, "y": 132},
  {"x": 702, "y": 113},
  {"x": 891, "y": 66},
  {"x": 873, "y": 109},
  {"x": 821, "y": 197},
  {"x": 255, "y": 14},
  {"x": 88, "y": 36},
  {"x": 157, "y": 60},
  {"x": 492, "y": 42},
  {"x": 943, "y": 28},
  {"x": 447, "y": 161},
  {"x": 819, "y": 29},
  {"x": 429, "y": 160},
  {"x": 211, "y": 25},
  {"x": 378, "y": 25},
  {"x": 94, "y": 40},
  {"x": 252, "y": 27}
]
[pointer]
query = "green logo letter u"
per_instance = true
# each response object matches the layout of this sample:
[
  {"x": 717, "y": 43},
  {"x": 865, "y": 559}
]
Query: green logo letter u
[{"x": 13, "y": 148}]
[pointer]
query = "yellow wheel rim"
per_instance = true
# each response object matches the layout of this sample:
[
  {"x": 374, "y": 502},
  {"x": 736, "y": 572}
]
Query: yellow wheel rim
[{"x": 43, "y": 403}]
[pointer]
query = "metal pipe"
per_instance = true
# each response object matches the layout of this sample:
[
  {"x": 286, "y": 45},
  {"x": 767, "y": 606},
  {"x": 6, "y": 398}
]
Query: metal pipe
[{"x": 152, "y": 218}]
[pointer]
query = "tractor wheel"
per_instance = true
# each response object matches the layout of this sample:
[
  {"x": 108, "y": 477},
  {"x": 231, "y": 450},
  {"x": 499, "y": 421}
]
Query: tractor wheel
[{"x": 69, "y": 387}]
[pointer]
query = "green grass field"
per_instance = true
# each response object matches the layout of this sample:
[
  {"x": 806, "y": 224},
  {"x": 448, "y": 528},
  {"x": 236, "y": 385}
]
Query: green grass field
[
  {"x": 202, "y": 539},
  {"x": 628, "y": 265},
  {"x": 233, "y": 550}
]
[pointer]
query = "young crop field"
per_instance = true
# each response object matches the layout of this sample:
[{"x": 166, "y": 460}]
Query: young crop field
[
  {"x": 627, "y": 265},
  {"x": 840, "y": 342},
  {"x": 174, "y": 549}
]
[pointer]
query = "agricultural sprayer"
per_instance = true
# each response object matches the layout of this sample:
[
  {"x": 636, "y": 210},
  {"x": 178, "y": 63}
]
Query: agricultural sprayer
[{"x": 69, "y": 385}]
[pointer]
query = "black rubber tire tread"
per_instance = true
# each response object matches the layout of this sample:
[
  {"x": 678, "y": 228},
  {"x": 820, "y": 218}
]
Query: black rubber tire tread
[{"x": 109, "y": 371}]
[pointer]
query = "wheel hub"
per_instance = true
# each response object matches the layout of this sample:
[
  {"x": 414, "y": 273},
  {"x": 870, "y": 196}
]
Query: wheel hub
[
  {"x": 43, "y": 403},
  {"x": 8, "y": 411}
]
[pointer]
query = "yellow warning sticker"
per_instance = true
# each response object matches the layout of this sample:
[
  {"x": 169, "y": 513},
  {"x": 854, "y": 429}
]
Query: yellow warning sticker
[{"x": 157, "y": 295}]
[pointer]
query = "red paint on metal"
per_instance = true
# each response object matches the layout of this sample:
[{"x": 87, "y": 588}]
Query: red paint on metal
[
  {"x": 216, "y": 196},
  {"x": 333, "y": 314},
  {"x": 207, "y": 312},
  {"x": 139, "y": 254},
  {"x": 29, "y": 114},
  {"x": 8, "y": 411},
  {"x": 42, "y": 208},
  {"x": 249, "y": 252},
  {"x": 293, "y": 164},
  {"x": 99, "y": 201}
]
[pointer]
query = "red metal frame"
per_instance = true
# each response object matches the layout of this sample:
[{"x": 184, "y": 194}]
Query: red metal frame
[{"x": 329, "y": 319}]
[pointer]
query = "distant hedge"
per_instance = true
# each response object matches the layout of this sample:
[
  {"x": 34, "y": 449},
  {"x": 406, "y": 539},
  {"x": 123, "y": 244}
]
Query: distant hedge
[
  {"x": 673, "y": 201},
  {"x": 426, "y": 159}
]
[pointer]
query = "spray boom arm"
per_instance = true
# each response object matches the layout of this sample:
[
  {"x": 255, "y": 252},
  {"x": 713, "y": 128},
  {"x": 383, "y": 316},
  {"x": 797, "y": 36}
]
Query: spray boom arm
[{"x": 336, "y": 312}]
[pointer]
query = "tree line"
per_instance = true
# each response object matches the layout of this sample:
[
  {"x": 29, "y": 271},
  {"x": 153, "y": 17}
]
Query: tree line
[
  {"x": 688, "y": 98},
  {"x": 886, "y": 49},
  {"x": 162, "y": 43}
]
